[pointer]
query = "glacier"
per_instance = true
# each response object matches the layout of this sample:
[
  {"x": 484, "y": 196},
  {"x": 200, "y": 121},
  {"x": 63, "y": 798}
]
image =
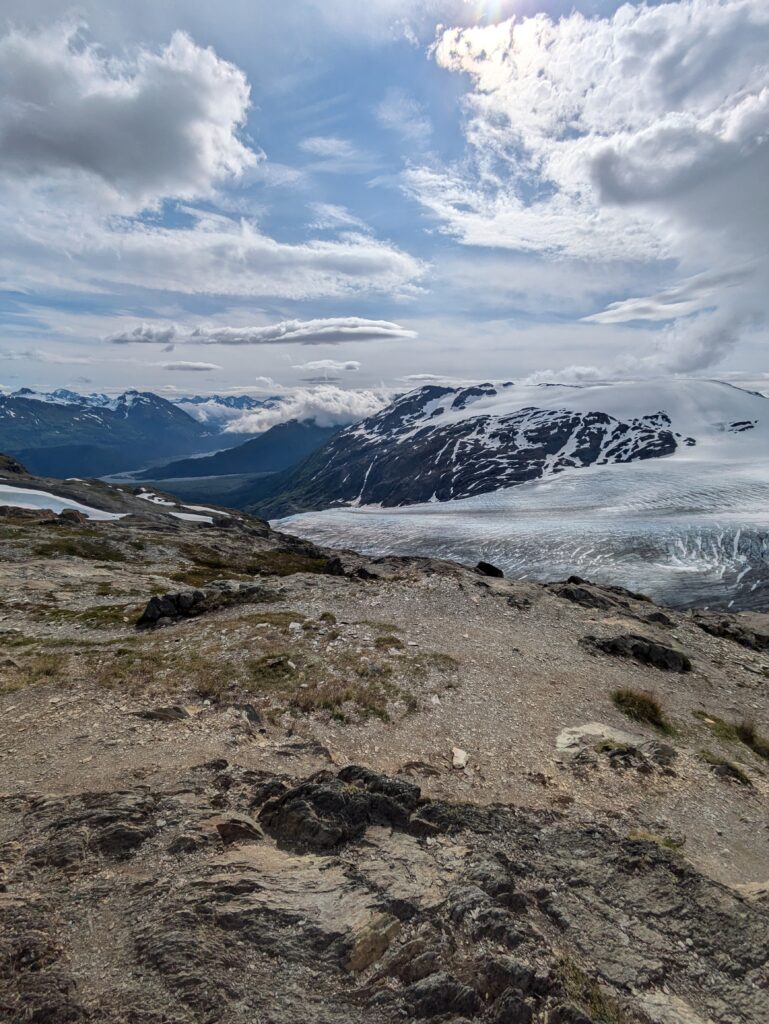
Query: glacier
[{"x": 688, "y": 529}]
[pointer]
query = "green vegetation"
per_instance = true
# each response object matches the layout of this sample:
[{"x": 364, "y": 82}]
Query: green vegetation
[
  {"x": 100, "y": 616},
  {"x": 590, "y": 996},
  {"x": 736, "y": 732},
  {"x": 728, "y": 768},
  {"x": 90, "y": 547},
  {"x": 642, "y": 706},
  {"x": 652, "y": 837},
  {"x": 387, "y": 642},
  {"x": 255, "y": 563},
  {"x": 37, "y": 670},
  {"x": 746, "y": 733}
]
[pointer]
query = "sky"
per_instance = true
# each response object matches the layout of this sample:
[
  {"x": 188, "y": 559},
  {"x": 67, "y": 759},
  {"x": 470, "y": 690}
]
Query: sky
[{"x": 326, "y": 194}]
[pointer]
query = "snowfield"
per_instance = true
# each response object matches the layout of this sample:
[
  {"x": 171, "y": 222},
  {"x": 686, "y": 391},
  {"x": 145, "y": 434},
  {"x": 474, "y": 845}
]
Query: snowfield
[
  {"x": 19, "y": 497},
  {"x": 689, "y": 528}
]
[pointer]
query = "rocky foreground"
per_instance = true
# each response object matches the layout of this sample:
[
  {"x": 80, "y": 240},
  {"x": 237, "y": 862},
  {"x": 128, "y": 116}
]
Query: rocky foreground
[{"x": 245, "y": 779}]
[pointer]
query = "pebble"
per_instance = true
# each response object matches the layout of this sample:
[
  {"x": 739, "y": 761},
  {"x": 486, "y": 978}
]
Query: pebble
[{"x": 459, "y": 757}]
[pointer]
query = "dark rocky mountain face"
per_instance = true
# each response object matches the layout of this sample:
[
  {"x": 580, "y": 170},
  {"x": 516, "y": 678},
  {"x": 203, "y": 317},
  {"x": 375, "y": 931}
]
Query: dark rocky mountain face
[
  {"x": 410, "y": 452},
  {"x": 59, "y": 435},
  {"x": 281, "y": 446}
]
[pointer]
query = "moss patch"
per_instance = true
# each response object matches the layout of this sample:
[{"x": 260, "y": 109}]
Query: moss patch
[
  {"x": 589, "y": 996},
  {"x": 92, "y": 548}
]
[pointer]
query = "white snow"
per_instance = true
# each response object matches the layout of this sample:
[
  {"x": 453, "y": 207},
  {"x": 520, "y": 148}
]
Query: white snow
[
  {"x": 19, "y": 497},
  {"x": 691, "y": 527},
  {"x": 155, "y": 499},
  {"x": 203, "y": 508},
  {"x": 191, "y": 517}
]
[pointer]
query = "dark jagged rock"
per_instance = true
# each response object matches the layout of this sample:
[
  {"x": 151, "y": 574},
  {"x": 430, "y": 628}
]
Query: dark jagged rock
[
  {"x": 238, "y": 828},
  {"x": 641, "y": 649},
  {"x": 610, "y": 588},
  {"x": 658, "y": 619},
  {"x": 188, "y": 604},
  {"x": 71, "y": 517},
  {"x": 330, "y": 810},
  {"x": 729, "y": 628},
  {"x": 511, "y": 1009},
  {"x": 10, "y": 465},
  {"x": 579, "y": 594},
  {"x": 506, "y": 916},
  {"x": 487, "y": 569},
  {"x": 170, "y": 714},
  {"x": 36, "y": 985},
  {"x": 439, "y": 994}
]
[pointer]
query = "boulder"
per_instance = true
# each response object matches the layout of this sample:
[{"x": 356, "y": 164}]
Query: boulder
[
  {"x": 729, "y": 627},
  {"x": 440, "y": 994},
  {"x": 187, "y": 604},
  {"x": 330, "y": 810},
  {"x": 641, "y": 649},
  {"x": 487, "y": 569}
]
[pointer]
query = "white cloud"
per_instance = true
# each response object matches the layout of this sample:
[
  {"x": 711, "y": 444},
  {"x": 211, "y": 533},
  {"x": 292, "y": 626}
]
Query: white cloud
[
  {"x": 185, "y": 366},
  {"x": 92, "y": 146},
  {"x": 70, "y": 248},
  {"x": 327, "y": 405},
  {"x": 146, "y": 334},
  {"x": 336, "y": 155},
  {"x": 333, "y": 365},
  {"x": 37, "y": 355},
  {"x": 422, "y": 378},
  {"x": 643, "y": 136},
  {"x": 330, "y": 217},
  {"x": 330, "y": 146},
  {"x": 332, "y": 331},
  {"x": 402, "y": 114},
  {"x": 162, "y": 124}
]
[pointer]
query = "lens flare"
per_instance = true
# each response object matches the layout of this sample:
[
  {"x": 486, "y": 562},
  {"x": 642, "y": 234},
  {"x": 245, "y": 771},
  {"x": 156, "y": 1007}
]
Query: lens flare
[{"x": 491, "y": 10}]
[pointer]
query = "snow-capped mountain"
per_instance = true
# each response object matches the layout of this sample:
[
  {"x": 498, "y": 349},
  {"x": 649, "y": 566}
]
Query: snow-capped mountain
[
  {"x": 63, "y": 396},
  {"x": 659, "y": 486},
  {"x": 221, "y": 409},
  {"x": 62, "y": 433},
  {"x": 441, "y": 444}
]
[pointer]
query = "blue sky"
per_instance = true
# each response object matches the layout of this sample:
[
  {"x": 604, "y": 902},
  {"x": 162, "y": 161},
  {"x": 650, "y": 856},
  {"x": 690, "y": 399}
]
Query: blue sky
[{"x": 247, "y": 195}]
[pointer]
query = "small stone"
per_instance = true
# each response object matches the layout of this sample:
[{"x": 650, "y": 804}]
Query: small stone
[
  {"x": 459, "y": 758},
  {"x": 238, "y": 828}
]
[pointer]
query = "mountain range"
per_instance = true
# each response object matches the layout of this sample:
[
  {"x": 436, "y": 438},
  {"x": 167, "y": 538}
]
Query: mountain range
[
  {"x": 662, "y": 483},
  {"x": 276, "y": 449},
  {"x": 62, "y": 433},
  {"x": 439, "y": 444}
]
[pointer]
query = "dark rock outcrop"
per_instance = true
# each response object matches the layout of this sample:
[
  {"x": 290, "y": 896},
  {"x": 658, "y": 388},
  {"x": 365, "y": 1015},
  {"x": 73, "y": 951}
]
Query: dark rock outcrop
[
  {"x": 641, "y": 649},
  {"x": 329, "y": 810},
  {"x": 730, "y": 628},
  {"x": 188, "y": 604},
  {"x": 487, "y": 569},
  {"x": 351, "y": 917}
]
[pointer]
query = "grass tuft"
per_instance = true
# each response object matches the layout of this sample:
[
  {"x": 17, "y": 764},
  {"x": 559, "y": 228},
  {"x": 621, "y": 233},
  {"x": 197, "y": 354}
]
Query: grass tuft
[
  {"x": 652, "y": 837},
  {"x": 737, "y": 732},
  {"x": 642, "y": 706},
  {"x": 727, "y": 768}
]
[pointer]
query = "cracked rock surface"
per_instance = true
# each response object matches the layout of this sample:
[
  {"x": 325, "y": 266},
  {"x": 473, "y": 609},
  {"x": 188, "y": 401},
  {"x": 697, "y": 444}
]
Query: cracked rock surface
[{"x": 361, "y": 901}]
